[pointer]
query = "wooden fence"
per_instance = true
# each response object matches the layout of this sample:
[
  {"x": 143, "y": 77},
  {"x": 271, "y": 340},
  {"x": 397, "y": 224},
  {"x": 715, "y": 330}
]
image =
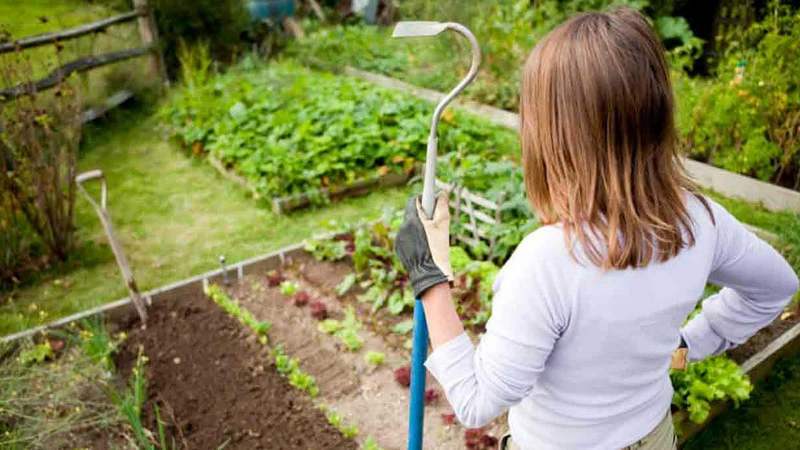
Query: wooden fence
[{"x": 147, "y": 31}]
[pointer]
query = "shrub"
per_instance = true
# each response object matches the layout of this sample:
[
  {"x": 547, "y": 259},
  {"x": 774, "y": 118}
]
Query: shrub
[
  {"x": 747, "y": 119},
  {"x": 506, "y": 30},
  {"x": 39, "y": 138},
  {"x": 18, "y": 244},
  {"x": 220, "y": 22}
]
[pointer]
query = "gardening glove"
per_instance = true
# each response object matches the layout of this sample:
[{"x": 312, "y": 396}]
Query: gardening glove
[{"x": 423, "y": 245}]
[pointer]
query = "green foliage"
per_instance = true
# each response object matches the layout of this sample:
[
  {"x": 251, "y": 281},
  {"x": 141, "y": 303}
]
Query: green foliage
[
  {"x": 706, "y": 381},
  {"x": 335, "y": 419},
  {"x": 289, "y": 130},
  {"x": 289, "y": 288},
  {"x": 344, "y": 286},
  {"x": 370, "y": 444},
  {"x": 747, "y": 119},
  {"x": 232, "y": 307},
  {"x": 346, "y": 330},
  {"x": 96, "y": 342},
  {"x": 47, "y": 405},
  {"x": 326, "y": 250},
  {"x": 154, "y": 187},
  {"x": 19, "y": 247},
  {"x": 290, "y": 368},
  {"x": 506, "y": 30},
  {"x": 36, "y": 354},
  {"x": 498, "y": 178},
  {"x": 767, "y": 421},
  {"x": 374, "y": 358},
  {"x": 219, "y": 22},
  {"x": 384, "y": 281},
  {"x": 130, "y": 402},
  {"x": 404, "y": 327}
]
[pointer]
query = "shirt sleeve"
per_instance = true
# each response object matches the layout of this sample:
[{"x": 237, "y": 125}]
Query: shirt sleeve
[
  {"x": 757, "y": 284},
  {"x": 482, "y": 383}
]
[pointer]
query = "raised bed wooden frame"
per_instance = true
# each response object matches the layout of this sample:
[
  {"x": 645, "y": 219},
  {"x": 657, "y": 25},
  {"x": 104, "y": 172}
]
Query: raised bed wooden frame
[{"x": 288, "y": 203}]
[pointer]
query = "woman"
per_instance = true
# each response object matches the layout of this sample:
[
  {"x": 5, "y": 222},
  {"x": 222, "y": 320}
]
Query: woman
[{"x": 589, "y": 308}]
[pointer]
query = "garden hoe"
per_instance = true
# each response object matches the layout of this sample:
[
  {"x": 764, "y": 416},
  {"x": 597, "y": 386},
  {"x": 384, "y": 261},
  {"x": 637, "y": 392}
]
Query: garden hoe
[
  {"x": 119, "y": 254},
  {"x": 420, "y": 337}
]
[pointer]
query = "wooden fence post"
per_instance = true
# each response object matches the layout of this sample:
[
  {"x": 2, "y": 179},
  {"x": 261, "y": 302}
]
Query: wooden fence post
[{"x": 149, "y": 35}]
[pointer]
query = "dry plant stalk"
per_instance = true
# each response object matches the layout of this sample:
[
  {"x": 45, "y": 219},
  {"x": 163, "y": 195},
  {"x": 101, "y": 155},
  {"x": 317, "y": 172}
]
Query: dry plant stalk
[{"x": 39, "y": 138}]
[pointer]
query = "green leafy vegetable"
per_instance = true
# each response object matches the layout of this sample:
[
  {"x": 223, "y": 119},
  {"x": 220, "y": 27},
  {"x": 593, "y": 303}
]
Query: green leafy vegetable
[
  {"x": 705, "y": 381},
  {"x": 289, "y": 288},
  {"x": 346, "y": 330},
  {"x": 374, "y": 358}
]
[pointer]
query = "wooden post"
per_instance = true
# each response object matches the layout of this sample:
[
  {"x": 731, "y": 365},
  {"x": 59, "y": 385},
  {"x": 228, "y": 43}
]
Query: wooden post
[
  {"x": 149, "y": 35},
  {"x": 498, "y": 217}
]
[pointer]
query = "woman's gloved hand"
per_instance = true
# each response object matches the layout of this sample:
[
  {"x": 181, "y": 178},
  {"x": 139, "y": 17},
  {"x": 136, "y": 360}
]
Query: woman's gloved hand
[{"x": 423, "y": 245}]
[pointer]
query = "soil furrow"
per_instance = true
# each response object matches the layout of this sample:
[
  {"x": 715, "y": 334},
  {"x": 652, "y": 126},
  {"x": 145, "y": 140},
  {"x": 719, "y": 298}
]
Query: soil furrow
[
  {"x": 376, "y": 403},
  {"x": 216, "y": 386}
]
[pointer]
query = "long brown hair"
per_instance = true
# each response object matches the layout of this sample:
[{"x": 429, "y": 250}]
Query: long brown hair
[{"x": 598, "y": 140}]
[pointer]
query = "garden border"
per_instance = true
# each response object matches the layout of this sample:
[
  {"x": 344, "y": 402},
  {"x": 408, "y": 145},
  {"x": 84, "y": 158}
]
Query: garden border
[
  {"x": 288, "y": 203},
  {"x": 756, "y": 367},
  {"x": 771, "y": 196}
]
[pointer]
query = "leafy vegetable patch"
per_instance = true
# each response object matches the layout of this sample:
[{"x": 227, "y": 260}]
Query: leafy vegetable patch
[{"x": 291, "y": 130}]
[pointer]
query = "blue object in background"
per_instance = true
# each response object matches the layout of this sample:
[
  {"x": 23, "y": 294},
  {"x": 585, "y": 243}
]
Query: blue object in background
[
  {"x": 419, "y": 352},
  {"x": 275, "y": 10},
  {"x": 366, "y": 8}
]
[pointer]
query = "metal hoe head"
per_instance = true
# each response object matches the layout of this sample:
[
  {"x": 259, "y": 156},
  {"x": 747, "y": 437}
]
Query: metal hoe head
[
  {"x": 418, "y": 28},
  {"x": 423, "y": 28}
]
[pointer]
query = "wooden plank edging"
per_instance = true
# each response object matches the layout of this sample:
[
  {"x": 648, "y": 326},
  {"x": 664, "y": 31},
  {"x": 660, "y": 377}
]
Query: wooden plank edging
[
  {"x": 771, "y": 196},
  {"x": 288, "y": 203},
  {"x": 237, "y": 270},
  {"x": 282, "y": 205}
]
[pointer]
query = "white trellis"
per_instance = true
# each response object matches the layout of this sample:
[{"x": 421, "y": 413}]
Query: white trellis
[{"x": 481, "y": 214}]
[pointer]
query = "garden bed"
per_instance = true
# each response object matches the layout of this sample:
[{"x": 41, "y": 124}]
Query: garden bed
[
  {"x": 194, "y": 378},
  {"x": 356, "y": 367},
  {"x": 186, "y": 326},
  {"x": 300, "y": 137},
  {"x": 764, "y": 337},
  {"x": 215, "y": 385}
]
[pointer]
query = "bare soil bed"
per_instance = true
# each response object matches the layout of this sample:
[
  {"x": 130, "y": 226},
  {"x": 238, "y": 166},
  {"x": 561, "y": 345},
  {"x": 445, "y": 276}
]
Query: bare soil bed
[
  {"x": 763, "y": 338},
  {"x": 367, "y": 396},
  {"x": 215, "y": 384}
]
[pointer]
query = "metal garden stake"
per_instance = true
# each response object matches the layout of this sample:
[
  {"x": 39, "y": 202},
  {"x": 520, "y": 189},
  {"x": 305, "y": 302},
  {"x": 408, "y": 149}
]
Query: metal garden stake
[
  {"x": 224, "y": 270},
  {"x": 420, "y": 338},
  {"x": 119, "y": 254}
]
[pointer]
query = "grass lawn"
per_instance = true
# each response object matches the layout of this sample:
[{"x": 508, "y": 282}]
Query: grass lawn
[
  {"x": 176, "y": 217},
  {"x": 42, "y": 16}
]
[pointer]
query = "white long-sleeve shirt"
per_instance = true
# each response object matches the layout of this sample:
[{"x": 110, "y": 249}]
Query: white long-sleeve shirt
[{"x": 580, "y": 356}]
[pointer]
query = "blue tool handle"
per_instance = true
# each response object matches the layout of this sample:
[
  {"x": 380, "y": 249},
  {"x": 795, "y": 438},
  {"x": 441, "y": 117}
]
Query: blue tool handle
[{"x": 419, "y": 352}]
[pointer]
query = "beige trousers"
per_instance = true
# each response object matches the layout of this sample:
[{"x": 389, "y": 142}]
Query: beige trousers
[{"x": 661, "y": 438}]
